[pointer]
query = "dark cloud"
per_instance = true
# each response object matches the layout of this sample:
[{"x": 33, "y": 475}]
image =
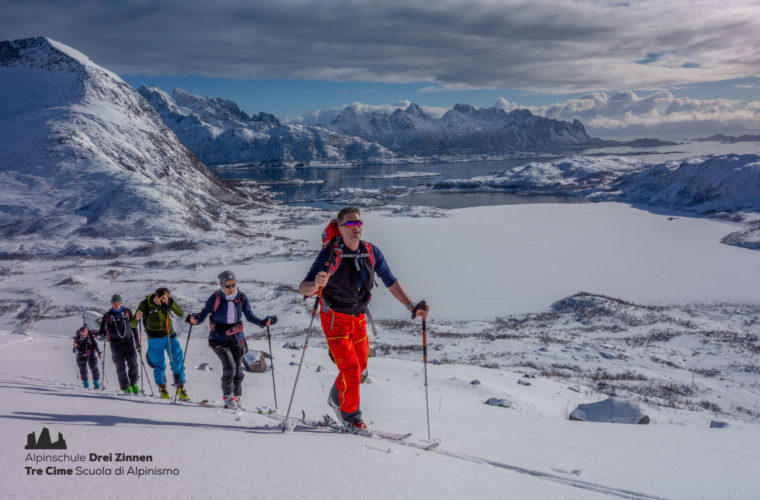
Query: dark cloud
[{"x": 541, "y": 45}]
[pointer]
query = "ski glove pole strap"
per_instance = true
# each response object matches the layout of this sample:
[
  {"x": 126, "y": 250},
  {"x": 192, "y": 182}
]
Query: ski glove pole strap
[{"x": 420, "y": 306}]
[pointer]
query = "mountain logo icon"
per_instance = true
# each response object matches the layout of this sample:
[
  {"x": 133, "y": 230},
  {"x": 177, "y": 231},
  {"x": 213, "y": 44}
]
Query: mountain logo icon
[{"x": 44, "y": 442}]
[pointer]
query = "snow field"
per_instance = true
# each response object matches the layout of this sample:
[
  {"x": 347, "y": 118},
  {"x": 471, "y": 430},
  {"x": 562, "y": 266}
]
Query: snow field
[{"x": 220, "y": 453}]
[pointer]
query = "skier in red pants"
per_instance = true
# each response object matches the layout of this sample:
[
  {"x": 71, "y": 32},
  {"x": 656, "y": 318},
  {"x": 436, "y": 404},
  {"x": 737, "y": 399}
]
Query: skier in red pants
[{"x": 345, "y": 270}]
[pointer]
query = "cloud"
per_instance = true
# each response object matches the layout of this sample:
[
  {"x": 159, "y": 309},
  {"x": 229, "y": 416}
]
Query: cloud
[
  {"x": 659, "y": 111},
  {"x": 539, "y": 45}
]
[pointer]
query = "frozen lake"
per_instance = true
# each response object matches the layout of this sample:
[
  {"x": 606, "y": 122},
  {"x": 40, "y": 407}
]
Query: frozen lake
[{"x": 493, "y": 261}]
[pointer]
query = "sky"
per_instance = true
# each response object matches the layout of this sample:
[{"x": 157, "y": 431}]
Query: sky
[{"x": 619, "y": 66}]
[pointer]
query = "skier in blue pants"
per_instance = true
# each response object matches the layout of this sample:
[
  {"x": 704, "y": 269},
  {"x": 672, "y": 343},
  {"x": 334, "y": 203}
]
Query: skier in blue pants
[{"x": 156, "y": 309}]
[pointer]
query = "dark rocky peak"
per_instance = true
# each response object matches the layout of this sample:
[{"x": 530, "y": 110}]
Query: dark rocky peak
[
  {"x": 464, "y": 108},
  {"x": 40, "y": 53},
  {"x": 417, "y": 112}
]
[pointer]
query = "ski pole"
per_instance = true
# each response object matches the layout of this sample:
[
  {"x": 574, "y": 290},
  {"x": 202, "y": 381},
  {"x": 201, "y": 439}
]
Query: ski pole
[
  {"x": 273, "y": 320},
  {"x": 184, "y": 355},
  {"x": 303, "y": 353},
  {"x": 424, "y": 362},
  {"x": 371, "y": 322},
  {"x": 103, "y": 362},
  {"x": 142, "y": 364},
  {"x": 76, "y": 362}
]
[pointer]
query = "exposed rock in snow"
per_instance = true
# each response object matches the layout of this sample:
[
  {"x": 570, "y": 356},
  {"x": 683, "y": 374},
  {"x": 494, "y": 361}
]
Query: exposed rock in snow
[
  {"x": 504, "y": 403},
  {"x": 610, "y": 410},
  {"x": 255, "y": 362}
]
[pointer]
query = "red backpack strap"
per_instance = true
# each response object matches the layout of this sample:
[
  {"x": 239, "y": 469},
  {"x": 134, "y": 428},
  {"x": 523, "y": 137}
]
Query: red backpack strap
[
  {"x": 337, "y": 255},
  {"x": 370, "y": 254},
  {"x": 217, "y": 300}
]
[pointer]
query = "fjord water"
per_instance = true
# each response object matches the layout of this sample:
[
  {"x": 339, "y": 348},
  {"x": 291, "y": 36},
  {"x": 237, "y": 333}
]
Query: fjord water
[{"x": 313, "y": 186}]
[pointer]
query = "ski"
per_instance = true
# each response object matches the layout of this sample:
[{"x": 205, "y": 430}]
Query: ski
[{"x": 330, "y": 424}]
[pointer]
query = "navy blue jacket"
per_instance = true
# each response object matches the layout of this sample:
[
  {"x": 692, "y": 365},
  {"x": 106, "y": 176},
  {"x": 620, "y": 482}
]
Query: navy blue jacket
[
  {"x": 349, "y": 289},
  {"x": 242, "y": 308}
]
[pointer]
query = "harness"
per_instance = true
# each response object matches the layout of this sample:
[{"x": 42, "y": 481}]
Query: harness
[{"x": 217, "y": 302}]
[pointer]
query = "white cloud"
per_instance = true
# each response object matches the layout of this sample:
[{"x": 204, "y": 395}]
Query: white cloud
[
  {"x": 627, "y": 108},
  {"x": 658, "y": 112}
]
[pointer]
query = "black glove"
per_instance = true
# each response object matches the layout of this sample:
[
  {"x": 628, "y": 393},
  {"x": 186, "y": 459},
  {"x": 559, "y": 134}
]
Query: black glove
[
  {"x": 263, "y": 322},
  {"x": 420, "y": 306}
]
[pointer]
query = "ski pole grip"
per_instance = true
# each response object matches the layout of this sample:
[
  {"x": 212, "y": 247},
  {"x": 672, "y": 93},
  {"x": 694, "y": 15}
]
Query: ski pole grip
[{"x": 273, "y": 319}]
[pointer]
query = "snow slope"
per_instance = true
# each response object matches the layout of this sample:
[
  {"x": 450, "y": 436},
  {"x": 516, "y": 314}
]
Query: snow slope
[{"x": 529, "y": 451}]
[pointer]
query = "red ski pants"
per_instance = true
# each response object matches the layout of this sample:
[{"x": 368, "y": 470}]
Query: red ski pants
[{"x": 348, "y": 343}]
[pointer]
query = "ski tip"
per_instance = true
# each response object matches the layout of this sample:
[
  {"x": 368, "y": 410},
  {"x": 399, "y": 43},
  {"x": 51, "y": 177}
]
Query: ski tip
[{"x": 204, "y": 402}]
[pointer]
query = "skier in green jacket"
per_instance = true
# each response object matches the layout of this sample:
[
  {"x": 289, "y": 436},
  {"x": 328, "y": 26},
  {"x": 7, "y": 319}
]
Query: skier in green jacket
[{"x": 156, "y": 310}]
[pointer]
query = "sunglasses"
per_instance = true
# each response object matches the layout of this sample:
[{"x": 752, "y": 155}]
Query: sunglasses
[
  {"x": 233, "y": 285},
  {"x": 352, "y": 223}
]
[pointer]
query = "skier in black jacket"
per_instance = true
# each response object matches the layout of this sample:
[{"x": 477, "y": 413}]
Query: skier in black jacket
[
  {"x": 88, "y": 353},
  {"x": 124, "y": 344}
]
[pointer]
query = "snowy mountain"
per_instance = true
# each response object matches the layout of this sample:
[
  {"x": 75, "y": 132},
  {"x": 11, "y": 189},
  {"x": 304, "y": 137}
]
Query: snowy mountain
[
  {"x": 218, "y": 132},
  {"x": 84, "y": 155},
  {"x": 702, "y": 185},
  {"x": 463, "y": 129}
]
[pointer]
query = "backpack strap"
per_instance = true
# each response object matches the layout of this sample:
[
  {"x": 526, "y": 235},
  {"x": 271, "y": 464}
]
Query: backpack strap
[
  {"x": 337, "y": 255},
  {"x": 370, "y": 255},
  {"x": 217, "y": 302}
]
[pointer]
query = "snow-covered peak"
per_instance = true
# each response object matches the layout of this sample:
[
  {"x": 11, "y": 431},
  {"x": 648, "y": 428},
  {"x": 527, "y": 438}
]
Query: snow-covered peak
[
  {"x": 45, "y": 53},
  {"x": 462, "y": 129},
  {"x": 219, "y": 132},
  {"x": 87, "y": 156}
]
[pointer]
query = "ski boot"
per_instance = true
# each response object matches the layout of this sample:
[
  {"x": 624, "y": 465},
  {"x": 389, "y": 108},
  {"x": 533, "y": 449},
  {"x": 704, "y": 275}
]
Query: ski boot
[
  {"x": 128, "y": 390},
  {"x": 238, "y": 402},
  {"x": 358, "y": 427},
  {"x": 96, "y": 384},
  {"x": 86, "y": 384},
  {"x": 135, "y": 389},
  {"x": 163, "y": 392},
  {"x": 229, "y": 402},
  {"x": 182, "y": 393}
]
